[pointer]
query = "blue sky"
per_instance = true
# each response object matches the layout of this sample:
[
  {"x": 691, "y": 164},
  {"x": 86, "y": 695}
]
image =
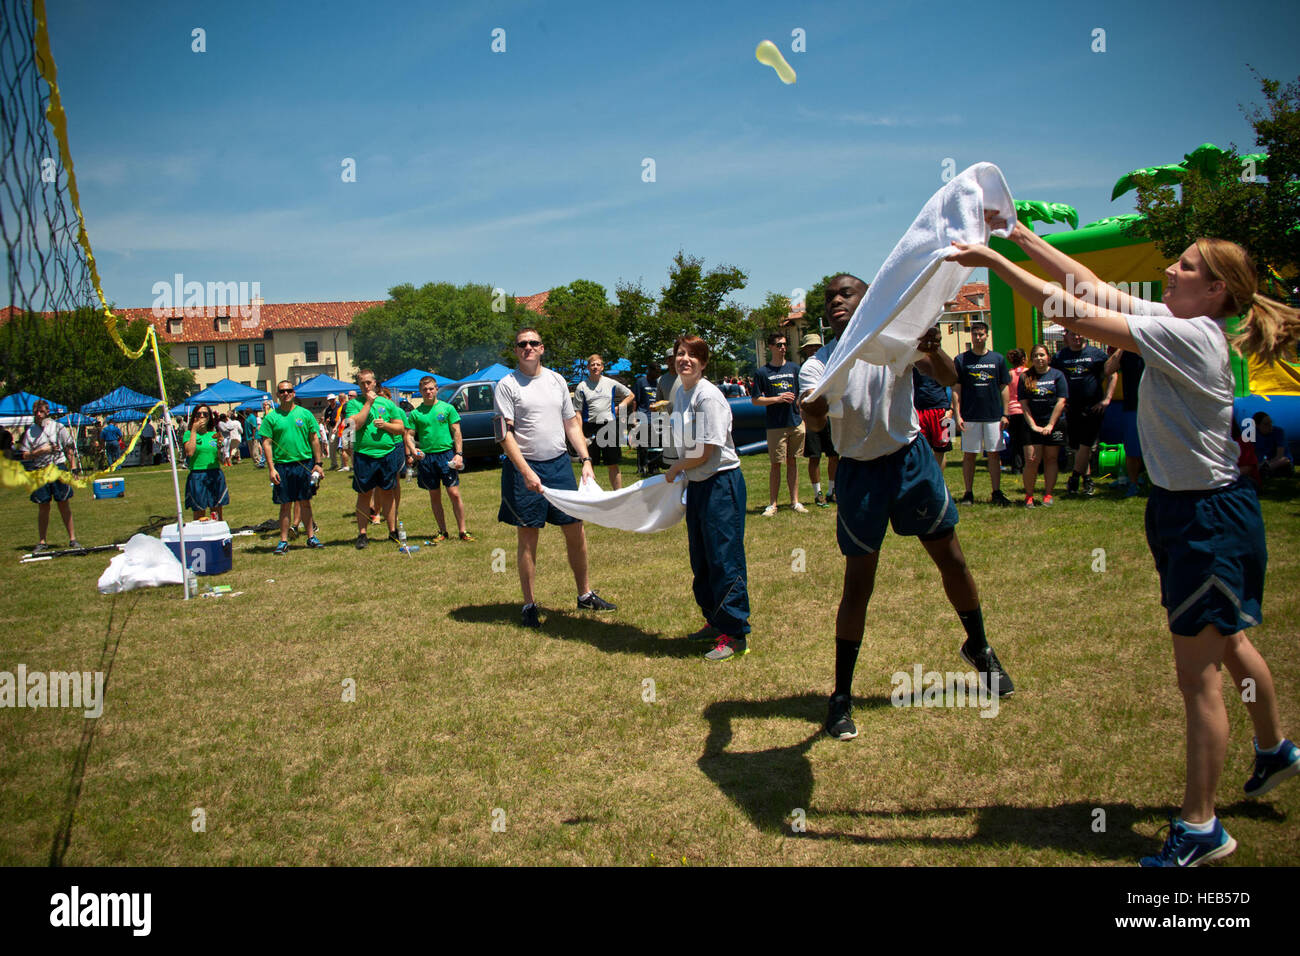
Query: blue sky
[{"x": 523, "y": 169}]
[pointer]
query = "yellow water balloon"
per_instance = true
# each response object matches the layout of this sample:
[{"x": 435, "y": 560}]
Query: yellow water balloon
[{"x": 769, "y": 54}]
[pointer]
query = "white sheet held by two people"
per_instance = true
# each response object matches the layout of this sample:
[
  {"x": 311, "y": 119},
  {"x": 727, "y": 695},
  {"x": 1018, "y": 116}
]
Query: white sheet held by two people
[
  {"x": 649, "y": 505},
  {"x": 906, "y": 297}
]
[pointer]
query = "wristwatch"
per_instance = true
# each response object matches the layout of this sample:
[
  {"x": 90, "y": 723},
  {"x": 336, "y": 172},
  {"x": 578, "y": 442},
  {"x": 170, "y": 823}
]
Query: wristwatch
[{"x": 580, "y": 460}]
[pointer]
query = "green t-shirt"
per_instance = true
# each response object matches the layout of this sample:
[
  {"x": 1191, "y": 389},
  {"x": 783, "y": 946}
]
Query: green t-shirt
[
  {"x": 207, "y": 450},
  {"x": 290, "y": 434},
  {"x": 371, "y": 440},
  {"x": 432, "y": 424}
]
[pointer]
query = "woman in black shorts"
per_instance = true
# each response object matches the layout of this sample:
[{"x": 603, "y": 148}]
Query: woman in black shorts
[{"x": 1042, "y": 391}]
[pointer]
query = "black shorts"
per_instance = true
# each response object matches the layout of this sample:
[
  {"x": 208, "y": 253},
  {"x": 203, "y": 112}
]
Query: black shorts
[
  {"x": 52, "y": 491},
  {"x": 382, "y": 473},
  {"x": 1082, "y": 427},
  {"x": 1055, "y": 440},
  {"x": 295, "y": 482},
  {"x": 603, "y": 454},
  {"x": 816, "y": 444}
]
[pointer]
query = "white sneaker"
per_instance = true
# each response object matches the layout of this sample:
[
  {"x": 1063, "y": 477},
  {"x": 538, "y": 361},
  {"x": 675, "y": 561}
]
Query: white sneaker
[
  {"x": 798, "y": 508},
  {"x": 769, "y": 511}
]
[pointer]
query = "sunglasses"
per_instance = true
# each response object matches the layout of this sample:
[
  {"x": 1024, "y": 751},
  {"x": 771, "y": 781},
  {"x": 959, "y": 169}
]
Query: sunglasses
[
  {"x": 284, "y": 391},
  {"x": 530, "y": 344}
]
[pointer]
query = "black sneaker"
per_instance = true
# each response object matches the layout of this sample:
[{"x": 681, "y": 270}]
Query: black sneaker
[
  {"x": 362, "y": 541},
  {"x": 967, "y": 499},
  {"x": 392, "y": 536},
  {"x": 594, "y": 602},
  {"x": 1072, "y": 485},
  {"x": 987, "y": 664},
  {"x": 830, "y": 497},
  {"x": 530, "y": 616},
  {"x": 1088, "y": 487},
  {"x": 999, "y": 499},
  {"x": 839, "y": 718},
  {"x": 707, "y": 633}
]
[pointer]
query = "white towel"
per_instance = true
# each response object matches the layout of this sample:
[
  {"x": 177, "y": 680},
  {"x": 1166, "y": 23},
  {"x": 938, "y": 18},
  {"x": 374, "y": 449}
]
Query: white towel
[
  {"x": 906, "y": 297},
  {"x": 647, "y": 506}
]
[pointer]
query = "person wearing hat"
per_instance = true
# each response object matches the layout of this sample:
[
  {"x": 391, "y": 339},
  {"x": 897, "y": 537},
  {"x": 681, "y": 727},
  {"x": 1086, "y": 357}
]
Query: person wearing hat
[
  {"x": 330, "y": 419},
  {"x": 818, "y": 443}
]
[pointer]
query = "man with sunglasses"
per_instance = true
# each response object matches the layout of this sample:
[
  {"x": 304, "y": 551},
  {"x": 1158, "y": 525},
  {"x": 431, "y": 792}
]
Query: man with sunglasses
[
  {"x": 293, "y": 453},
  {"x": 775, "y": 385},
  {"x": 535, "y": 414}
]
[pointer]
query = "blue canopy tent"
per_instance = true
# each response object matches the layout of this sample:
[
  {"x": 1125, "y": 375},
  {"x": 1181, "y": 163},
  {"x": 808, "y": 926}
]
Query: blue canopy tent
[
  {"x": 126, "y": 415},
  {"x": 16, "y": 409},
  {"x": 409, "y": 381},
  {"x": 116, "y": 400},
  {"x": 318, "y": 386},
  {"x": 252, "y": 405},
  {"x": 226, "y": 392},
  {"x": 493, "y": 373},
  {"x": 76, "y": 419}
]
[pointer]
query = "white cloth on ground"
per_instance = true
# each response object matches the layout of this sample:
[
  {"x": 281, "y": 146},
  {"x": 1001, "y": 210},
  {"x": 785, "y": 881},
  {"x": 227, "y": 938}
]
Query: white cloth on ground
[
  {"x": 906, "y": 297},
  {"x": 647, "y": 506},
  {"x": 144, "y": 563}
]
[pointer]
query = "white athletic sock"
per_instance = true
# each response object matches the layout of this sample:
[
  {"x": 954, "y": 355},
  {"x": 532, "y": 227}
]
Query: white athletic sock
[
  {"x": 583, "y": 597},
  {"x": 1198, "y": 827},
  {"x": 530, "y": 604},
  {"x": 1267, "y": 753},
  {"x": 817, "y": 487}
]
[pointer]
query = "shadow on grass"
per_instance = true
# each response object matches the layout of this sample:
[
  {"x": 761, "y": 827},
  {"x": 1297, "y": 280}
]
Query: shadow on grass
[
  {"x": 1067, "y": 826},
  {"x": 612, "y": 637},
  {"x": 769, "y": 784}
]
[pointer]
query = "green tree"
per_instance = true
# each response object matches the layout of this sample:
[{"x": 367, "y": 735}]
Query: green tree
[
  {"x": 697, "y": 302},
  {"x": 441, "y": 327},
  {"x": 71, "y": 359},
  {"x": 580, "y": 321},
  {"x": 767, "y": 318},
  {"x": 1252, "y": 200}
]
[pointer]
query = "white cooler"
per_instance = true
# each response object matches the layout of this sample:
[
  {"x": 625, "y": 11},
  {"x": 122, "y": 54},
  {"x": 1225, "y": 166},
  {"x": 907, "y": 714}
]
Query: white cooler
[{"x": 207, "y": 544}]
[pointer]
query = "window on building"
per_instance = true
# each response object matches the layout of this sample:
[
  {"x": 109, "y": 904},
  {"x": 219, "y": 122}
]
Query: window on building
[
  {"x": 259, "y": 354},
  {"x": 243, "y": 355},
  {"x": 261, "y": 385},
  {"x": 246, "y": 384},
  {"x": 223, "y": 323},
  {"x": 312, "y": 352},
  {"x": 209, "y": 356},
  {"x": 194, "y": 356},
  {"x": 175, "y": 326}
]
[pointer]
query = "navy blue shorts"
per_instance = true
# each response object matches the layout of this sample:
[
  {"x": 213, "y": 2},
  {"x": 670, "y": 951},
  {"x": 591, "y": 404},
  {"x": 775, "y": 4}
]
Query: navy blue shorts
[
  {"x": 435, "y": 469},
  {"x": 1132, "y": 444},
  {"x": 382, "y": 473},
  {"x": 1211, "y": 555},
  {"x": 904, "y": 488},
  {"x": 527, "y": 509},
  {"x": 205, "y": 490},
  {"x": 53, "y": 491},
  {"x": 295, "y": 482}
]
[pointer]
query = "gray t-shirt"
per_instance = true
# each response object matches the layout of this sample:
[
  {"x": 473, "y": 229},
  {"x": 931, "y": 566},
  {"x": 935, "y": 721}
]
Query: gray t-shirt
[
  {"x": 879, "y": 415},
  {"x": 538, "y": 407},
  {"x": 50, "y": 433},
  {"x": 1184, "y": 420},
  {"x": 599, "y": 399},
  {"x": 702, "y": 416}
]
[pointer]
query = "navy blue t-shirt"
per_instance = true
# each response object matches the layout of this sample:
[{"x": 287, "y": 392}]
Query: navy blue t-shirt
[
  {"x": 1130, "y": 377},
  {"x": 1040, "y": 399},
  {"x": 769, "y": 382},
  {"x": 927, "y": 392},
  {"x": 1083, "y": 370},
  {"x": 1266, "y": 446},
  {"x": 981, "y": 378}
]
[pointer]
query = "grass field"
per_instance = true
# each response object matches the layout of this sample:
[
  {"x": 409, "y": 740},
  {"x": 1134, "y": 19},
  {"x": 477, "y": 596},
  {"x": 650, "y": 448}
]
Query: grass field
[{"x": 462, "y": 719}]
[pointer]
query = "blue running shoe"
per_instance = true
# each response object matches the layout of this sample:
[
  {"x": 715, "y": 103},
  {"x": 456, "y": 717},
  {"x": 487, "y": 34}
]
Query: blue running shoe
[
  {"x": 1185, "y": 848},
  {"x": 282, "y": 548},
  {"x": 1272, "y": 769}
]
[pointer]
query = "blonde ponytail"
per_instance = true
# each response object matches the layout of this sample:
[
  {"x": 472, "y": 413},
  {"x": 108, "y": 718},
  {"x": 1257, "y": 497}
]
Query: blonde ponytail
[{"x": 1269, "y": 330}]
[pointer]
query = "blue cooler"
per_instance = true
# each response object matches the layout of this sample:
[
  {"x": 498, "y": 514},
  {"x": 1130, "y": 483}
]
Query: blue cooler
[
  {"x": 109, "y": 487},
  {"x": 207, "y": 544}
]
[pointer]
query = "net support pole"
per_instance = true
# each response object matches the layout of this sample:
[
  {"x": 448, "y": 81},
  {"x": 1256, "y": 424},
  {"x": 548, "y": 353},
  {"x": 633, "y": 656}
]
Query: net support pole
[{"x": 171, "y": 454}]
